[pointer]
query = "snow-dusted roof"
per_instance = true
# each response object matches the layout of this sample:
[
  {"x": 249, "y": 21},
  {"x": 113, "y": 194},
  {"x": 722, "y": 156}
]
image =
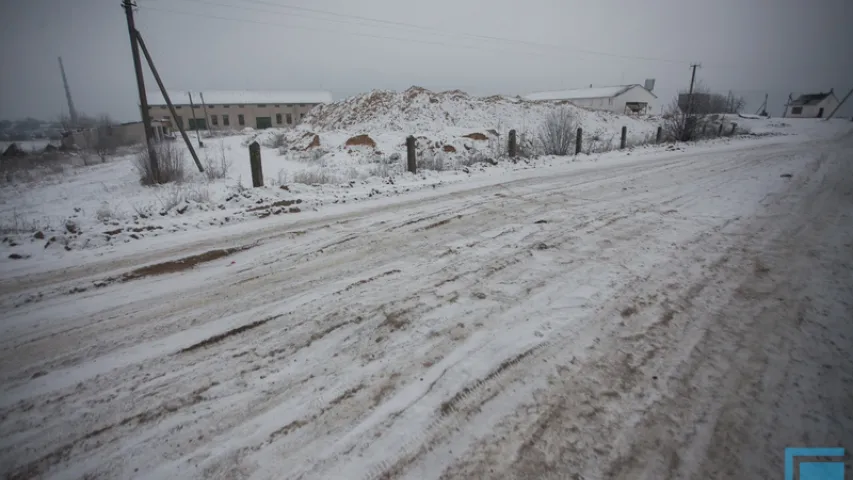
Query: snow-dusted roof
[
  {"x": 811, "y": 98},
  {"x": 582, "y": 93},
  {"x": 240, "y": 97}
]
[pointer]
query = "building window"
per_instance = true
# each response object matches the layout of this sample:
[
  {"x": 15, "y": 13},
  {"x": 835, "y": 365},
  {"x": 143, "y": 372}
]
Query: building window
[
  {"x": 276, "y": 106},
  {"x": 278, "y": 118},
  {"x": 241, "y": 106},
  {"x": 225, "y": 121},
  {"x": 262, "y": 105},
  {"x": 797, "y": 111},
  {"x": 241, "y": 120},
  {"x": 163, "y": 107},
  {"x": 214, "y": 120},
  {"x": 210, "y": 106},
  {"x": 226, "y": 106},
  {"x": 178, "y": 107},
  {"x": 610, "y": 101},
  {"x": 301, "y": 104},
  {"x": 289, "y": 119},
  {"x": 301, "y": 116}
]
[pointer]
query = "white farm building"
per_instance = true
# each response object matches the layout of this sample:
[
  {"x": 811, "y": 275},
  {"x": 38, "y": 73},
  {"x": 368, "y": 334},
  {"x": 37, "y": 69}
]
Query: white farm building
[
  {"x": 811, "y": 105},
  {"x": 626, "y": 99}
]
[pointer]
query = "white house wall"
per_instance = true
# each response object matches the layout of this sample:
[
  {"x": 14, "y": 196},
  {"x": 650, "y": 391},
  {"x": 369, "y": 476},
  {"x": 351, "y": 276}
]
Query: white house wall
[
  {"x": 810, "y": 111},
  {"x": 617, "y": 104},
  {"x": 636, "y": 94}
]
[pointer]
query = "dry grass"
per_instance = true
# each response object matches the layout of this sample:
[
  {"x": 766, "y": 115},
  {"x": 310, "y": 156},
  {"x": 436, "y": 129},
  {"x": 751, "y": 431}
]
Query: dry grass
[
  {"x": 171, "y": 162},
  {"x": 217, "y": 166}
]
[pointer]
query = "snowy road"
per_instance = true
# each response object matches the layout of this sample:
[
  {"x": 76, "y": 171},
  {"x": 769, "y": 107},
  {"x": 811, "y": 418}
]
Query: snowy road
[{"x": 683, "y": 317}]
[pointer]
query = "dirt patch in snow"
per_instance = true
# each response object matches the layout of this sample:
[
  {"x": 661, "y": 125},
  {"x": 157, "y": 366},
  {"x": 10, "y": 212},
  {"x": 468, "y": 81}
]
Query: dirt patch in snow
[
  {"x": 182, "y": 264},
  {"x": 222, "y": 336},
  {"x": 315, "y": 142},
  {"x": 172, "y": 266},
  {"x": 476, "y": 136},
  {"x": 449, "y": 148},
  {"x": 361, "y": 141}
]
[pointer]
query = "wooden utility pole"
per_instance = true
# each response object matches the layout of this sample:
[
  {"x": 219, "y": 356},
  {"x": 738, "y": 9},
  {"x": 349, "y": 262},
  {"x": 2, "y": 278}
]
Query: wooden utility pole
[
  {"x": 840, "y": 104},
  {"x": 763, "y": 108},
  {"x": 168, "y": 101},
  {"x": 690, "y": 93},
  {"x": 195, "y": 121},
  {"x": 790, "y": 99},
  {"x": 206, "y": 117},
  {"x": 140, "y": 85}
]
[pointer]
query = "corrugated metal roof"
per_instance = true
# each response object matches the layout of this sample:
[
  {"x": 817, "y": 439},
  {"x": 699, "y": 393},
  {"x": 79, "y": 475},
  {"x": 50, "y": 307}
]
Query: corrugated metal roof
[
  {"x": 240, "y": 97},
  {"x": 582, "y": 93}
]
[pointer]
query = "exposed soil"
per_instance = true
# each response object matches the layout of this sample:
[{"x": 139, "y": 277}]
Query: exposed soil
[
  {"x": 361, "y": 141},
  {"x": 476, "y": 136}
]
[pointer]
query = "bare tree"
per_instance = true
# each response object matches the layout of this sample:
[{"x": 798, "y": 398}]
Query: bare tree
[
  {"x": 104, "y": 138},
  {"x": 679, "y": 125},
  {"x": 557, "y": 132}
]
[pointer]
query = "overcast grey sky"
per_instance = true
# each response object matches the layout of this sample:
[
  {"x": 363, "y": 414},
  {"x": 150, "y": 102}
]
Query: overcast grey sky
[{"x": 748, "y": 46}]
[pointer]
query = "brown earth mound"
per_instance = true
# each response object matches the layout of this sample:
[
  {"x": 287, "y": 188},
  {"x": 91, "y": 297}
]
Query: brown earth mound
[
  {"x": 449, "y": 148},
  {"x": 476, "y": 136},
  {"x": 361, "y": 140},
  {"x": 315, "y": 142}
]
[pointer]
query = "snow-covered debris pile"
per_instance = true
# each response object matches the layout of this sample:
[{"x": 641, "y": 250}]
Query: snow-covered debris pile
[
  {"x": 454, "y": 130},
  {"x": 418, "y": 110}
]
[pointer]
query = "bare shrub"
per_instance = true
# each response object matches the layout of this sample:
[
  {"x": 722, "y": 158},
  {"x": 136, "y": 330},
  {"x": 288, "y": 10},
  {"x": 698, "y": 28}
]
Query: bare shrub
[
  {"x": 557, "y": 132},
  {"x": 216, "y": 166},
  {"x": 475, "y": 158},
  {"x": 170, "y": 159},
  {"x": 314, "y": 176},
  {"x": 197, "y": 193},
  {"x": 680, "y": 125},
  {"x": 279, "y": 141},
  {"x": 599, "y": 144},
  {"x": 431, "y": 161},
  {"x": 106, "y": 213},
  {"x": 34, "y": 167},
  {"x": 385, "y": 166}
]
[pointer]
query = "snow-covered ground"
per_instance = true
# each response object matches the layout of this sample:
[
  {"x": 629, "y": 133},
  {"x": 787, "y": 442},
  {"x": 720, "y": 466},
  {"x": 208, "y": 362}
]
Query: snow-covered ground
[
  {"x": 636, "y": 315},
  {"x": 66, "y": 212}
]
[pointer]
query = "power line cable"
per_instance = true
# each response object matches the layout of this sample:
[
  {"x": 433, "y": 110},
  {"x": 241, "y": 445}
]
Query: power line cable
[{"x": 432, "y": 30}]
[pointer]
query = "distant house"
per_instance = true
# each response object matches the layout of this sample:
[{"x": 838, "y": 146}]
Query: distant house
[
  {"x": 627, "y": 99},
  {"x": 236, "y": 109},
  {"x": 811, "y": 105}
]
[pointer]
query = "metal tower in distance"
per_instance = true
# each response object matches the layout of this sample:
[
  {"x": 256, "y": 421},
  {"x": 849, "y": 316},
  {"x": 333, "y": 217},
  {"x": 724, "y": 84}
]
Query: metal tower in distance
[{"x": 72, "y": 112}]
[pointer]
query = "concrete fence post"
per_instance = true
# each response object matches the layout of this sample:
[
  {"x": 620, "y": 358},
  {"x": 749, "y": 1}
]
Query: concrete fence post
[
  {"x": 720, "y": 133},
  {"x": 513, "y": 145},
  {"x": 255, "y": 162},
  {"x": 624, "y": 140},
  {"x": 410, "y": 154},
  {"x": 659, "y": 134},
  {"x": 578, "y": 141},
  {"x": 734, "y": 127}
]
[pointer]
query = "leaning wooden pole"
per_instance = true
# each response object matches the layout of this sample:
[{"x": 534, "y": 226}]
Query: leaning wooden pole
[
  {"x": 840, "y": 104},
  {"x": 168, "y": 100}
]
